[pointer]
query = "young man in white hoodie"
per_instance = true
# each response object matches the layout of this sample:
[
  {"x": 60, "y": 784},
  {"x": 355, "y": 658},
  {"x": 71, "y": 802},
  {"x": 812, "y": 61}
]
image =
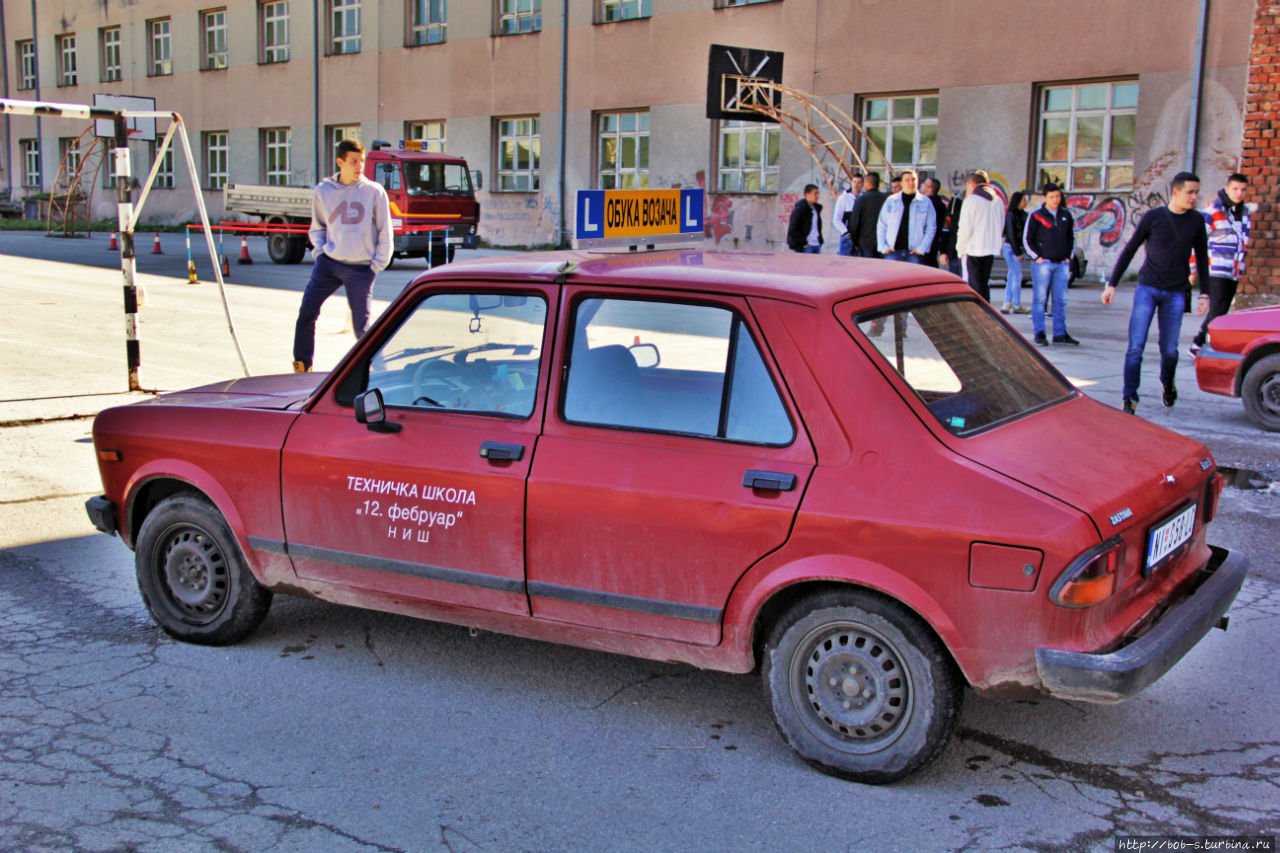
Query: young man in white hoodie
[
  {"x": 980, "y": 235},
  {"x": 351, "y": 235}
]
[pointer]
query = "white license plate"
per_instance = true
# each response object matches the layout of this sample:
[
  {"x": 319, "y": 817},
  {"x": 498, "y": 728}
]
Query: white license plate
[{"x": 1169, "y": 535}]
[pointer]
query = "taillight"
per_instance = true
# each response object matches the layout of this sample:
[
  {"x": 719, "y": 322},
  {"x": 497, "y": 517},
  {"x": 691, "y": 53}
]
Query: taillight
[
  {"x": 1091, "y": 577},
  {"x": 1212, "y": 492}
]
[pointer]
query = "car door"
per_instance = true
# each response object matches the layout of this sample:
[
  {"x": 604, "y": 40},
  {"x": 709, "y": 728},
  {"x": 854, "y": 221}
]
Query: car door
[
  {"x": 434, "y": 510},
  {"x": 673, "y": 463}
]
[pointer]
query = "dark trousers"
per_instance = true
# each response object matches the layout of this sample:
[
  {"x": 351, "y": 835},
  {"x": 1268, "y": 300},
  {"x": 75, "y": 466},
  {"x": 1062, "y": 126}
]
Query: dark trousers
[
  {"x": 864, "y": 252},
  {"x": 979, "y": 269},
  {"x": 1221, "y": 292},
  {"x": 326, "y": 277}
]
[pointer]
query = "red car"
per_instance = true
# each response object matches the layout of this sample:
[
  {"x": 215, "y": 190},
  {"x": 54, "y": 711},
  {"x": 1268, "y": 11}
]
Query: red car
[
  {"x": 832, "y": 471},
  {"x": 1242, "y": 359}
]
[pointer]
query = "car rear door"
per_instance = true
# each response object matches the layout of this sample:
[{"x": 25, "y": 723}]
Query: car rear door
[{"x": 672, "y": 461}]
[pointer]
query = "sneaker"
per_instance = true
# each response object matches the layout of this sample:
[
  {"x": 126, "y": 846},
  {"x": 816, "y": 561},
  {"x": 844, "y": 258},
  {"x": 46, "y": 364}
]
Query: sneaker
[
  {"x": 1194, "y": 349},
  {"x": 1041, "y": 340},
  {"x": 299, "y": 367},
  {"x": 1130, "y": 407},
  {"x": 1022, "y": 309},
  {"x": 1170, "y": 395},
  {"x": 1006, "y": 308},
  {"x": 1065, "y": 339}
]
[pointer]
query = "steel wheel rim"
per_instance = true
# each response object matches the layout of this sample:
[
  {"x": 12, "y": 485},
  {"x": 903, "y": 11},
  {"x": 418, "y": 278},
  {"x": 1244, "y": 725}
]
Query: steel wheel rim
[
  {"x": 195, "y": 580},
  {"x": 851, "y": 687}
]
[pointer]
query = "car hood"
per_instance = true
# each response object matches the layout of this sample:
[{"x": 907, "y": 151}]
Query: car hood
[
  {"x": 284, "y": 391},
  {"x": 1112, "y": 466}
]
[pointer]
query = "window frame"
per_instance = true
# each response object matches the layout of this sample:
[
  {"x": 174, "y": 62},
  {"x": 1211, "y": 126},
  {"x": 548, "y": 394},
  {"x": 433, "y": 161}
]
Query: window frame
[
  {"x": 924, "y": 168},
  {"x": 413, "y": 27},
  {"x": 69, "y": 145},
  {"x": 620, "y": 135},
  {"x": 644, "y": 9},
  {"x": 534, "y": 170},
  {"x": 733, "y": 4},
  {"x": 517, "y": 17},
  {"x": 213, "y": 27},
  {"x": 29, "y": 151},
  {"x": 411, "y": 129},
  {"x": 107, "y": 50},
  {"x": 349, "y": 43},
  {"x": 276, "y": 177},
  {"x": 271, "y": 52},
  {"x": 157, "y": 65},
  {"x": 335, "y": 133},
  {"x": 216, "y": 179},
  {"x": 1104, "y": 163},
  {"x": 28, "y": 65},
  {"x": 68, "y": 63},
  {"x": 165, "y": 175},
  {"x": 769, "y": 174}
]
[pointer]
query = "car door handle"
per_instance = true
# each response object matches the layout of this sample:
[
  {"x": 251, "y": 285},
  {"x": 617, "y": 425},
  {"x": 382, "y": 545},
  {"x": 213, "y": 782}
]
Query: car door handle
[
  {"x": 774, "y": 481},
  {"x": 497, "y": 450}
]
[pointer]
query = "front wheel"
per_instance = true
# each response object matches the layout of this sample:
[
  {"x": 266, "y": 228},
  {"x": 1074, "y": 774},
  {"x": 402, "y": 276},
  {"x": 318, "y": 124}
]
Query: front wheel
[
  {"x": 192, "y": 576},
  {"x": 859, "y": 687},
  {"x": 1261, "y": 393}
]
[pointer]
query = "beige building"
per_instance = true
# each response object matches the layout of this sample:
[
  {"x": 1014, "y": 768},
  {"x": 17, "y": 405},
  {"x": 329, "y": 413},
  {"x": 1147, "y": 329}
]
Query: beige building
[{"x": 1109, "y": 96}]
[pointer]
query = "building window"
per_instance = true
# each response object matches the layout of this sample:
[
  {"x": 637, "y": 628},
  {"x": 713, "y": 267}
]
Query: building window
[
  {"x": 65, "y": 45},
  {"x": 344, "y": 26},
  {"x": 275, "y": 149},
  {"x": 1086, "y": 135},
  {"x": 519, "y": 16},
  {"x": 720, "y": 4},
  {"x": 623, "y": 151},
  {"x": 624, "y": 10},
  {"x": 26, "y": 64},
  {"x": 159, "y": 47},
  {"x": 69, "y": 155},
  {"x": 213, "y": 26},
  {"x": 215, "y": 159},
  {"x": 519, "y": 154},
  {"x": 275, "y": 31},
  {"x": 905, "y": 129},
  {"x": 427, "y": 20},
  {"x": 164, "y": 175},
  {"x": 109, "y": 52},
  {"x": 337, "y": 133},
  {"x": 30, "y": 149},
  {"x": 748, "y": 160},
  {"x": 429, "y": 133}
]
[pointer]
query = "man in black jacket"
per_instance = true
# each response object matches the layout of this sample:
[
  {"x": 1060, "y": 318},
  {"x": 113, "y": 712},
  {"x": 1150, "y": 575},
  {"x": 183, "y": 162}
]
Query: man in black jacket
[
  {"x": 804, "y": 231},
  {"x": 864, "y": 216},
  {"x": 929, "y": 189}
]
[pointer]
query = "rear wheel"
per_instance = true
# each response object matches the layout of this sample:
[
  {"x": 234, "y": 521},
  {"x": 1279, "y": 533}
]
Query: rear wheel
[
  {"x": 859, "y": 687},
  {"x": 192, "y": 576},
  {"x": 1261, "y": 393}
]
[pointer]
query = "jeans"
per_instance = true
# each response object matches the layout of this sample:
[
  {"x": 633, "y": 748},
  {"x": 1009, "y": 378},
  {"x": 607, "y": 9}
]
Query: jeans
[
  {"x": 1012, "y": 282},
  {"x": 953, "y": 265},
  {"x": 979, "y": 269},
  {"x": 811, "y": 250},
  {"x": 909, "y": 257},
  {"x": 864, "y": 252},
  {"x": 326, "y": 277},
  {"x": 1167, "y": 306},
  {"x": 1221, "y": 292},
  {"x": 1051, "y": 277},
  {"x": 846, "y": 244}
]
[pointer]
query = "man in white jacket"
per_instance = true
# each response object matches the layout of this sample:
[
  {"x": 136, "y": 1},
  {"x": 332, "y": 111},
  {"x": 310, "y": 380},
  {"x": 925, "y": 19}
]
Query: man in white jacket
[
  {"x": 979, "y": 237},
  {"x": 351, "y": 235}
]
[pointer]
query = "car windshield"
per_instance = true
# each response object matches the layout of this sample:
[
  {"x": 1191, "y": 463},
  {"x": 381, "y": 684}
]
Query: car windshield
[
  {"x": 425, "y": 179},
  {"x": 971, "y": 371}
]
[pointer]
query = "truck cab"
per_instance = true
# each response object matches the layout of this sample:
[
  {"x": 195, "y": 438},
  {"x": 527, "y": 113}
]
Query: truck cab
[{"x": 425, "y": 189}]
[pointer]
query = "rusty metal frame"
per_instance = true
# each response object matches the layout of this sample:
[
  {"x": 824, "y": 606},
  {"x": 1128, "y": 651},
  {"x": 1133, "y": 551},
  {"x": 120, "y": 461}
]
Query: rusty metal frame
[{"x": 80, "y": 184}]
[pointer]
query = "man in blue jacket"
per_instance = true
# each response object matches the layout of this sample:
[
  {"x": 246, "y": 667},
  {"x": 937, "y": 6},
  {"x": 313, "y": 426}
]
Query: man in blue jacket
[{"x": 907, "y": 223}]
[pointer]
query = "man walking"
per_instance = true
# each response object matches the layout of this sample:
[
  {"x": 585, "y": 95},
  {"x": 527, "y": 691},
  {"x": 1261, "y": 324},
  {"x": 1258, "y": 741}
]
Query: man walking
[
  {"x": 804, "y": 231},
  {"x": 929, "y": 189},
  {"x": 1227, "y": 218},
  {"x": 979, "y": 237},
  {"x": 865, "y": 216},
  {"x": 843, "y": 207},
  {"x": 1171, "y": 234},
  {"x": 1049, "y": 238},
  {"x": 351, "y": 235},
  {"x": 906, "y": 225}
]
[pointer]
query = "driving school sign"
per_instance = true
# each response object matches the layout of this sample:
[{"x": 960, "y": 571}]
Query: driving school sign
[{"x": 638, "y": 216}]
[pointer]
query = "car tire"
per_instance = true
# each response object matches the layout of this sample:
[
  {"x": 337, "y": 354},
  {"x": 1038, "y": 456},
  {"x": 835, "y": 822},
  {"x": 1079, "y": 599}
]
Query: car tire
[
  {"x": 192, "y": 575},
  {"x": 860, "y": 687},
  {"x": 1261, "y": 393}
]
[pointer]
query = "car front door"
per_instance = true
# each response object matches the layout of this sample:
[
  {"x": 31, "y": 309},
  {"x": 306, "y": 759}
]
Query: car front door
[{"x": 435, "y": 509}]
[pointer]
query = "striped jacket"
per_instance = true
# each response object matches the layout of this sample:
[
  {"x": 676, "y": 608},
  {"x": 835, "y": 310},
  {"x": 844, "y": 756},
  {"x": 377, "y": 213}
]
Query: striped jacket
[{"x": 1228, "y": 237}]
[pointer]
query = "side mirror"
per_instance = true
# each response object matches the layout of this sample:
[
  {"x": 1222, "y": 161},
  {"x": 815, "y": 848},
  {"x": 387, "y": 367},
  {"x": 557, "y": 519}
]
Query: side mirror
[
  {"x": 371, "y": 412},
  {"x": 646, "y": 355},
  {"x": 477, "y": 179}
]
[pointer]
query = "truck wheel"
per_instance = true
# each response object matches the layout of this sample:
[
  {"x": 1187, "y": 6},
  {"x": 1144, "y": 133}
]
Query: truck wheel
[
  {"x": 297, "y": 250},
  {"x": 1261, "y": 393},
  {"x": 859, "y": 687},
  {"x": 280, "y": 248},
  {"x": 192, "y": 576}
]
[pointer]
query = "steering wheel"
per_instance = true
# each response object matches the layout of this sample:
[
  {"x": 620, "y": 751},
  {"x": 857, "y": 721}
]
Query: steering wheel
[{"x": 448, "y": 370}]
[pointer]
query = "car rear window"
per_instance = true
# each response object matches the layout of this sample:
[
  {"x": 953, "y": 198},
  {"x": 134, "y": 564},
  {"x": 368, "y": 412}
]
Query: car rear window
[{"x": 971, "y": 371}]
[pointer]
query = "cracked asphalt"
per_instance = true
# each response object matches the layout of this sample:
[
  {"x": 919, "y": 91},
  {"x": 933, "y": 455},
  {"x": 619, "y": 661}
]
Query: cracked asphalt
[{"x": 334, "y": 729}]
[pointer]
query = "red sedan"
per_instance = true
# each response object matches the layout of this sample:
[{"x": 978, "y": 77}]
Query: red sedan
[
  {"x": 852, "y": 476},
  {"x": 1242, "y": 359}
]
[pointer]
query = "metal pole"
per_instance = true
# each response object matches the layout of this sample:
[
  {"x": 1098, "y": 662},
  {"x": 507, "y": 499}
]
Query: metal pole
[
  {"x": 124, "y": 212},
  {"x": 8, "y": 127},
  {"x": 316, "y": 132},
  {"x": 35, "y": 58},
  {"x": 564, "y": 105},
  {"x": 1197, "y": 84}
]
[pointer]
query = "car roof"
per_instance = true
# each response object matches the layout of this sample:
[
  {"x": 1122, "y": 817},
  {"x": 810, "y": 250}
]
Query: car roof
[
  {"x": 815, "y": 280},
  {"x": 410, "y": 154}
]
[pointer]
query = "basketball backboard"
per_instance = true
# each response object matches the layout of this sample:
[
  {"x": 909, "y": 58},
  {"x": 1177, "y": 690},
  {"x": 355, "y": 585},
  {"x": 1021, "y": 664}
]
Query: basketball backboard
[
  {"x": 139, "y": 128},
  {"x": 731, "y": 73}
]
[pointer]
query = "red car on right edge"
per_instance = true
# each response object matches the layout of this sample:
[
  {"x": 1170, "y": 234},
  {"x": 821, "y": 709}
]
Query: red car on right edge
[{"x": 1242, "y": 359}]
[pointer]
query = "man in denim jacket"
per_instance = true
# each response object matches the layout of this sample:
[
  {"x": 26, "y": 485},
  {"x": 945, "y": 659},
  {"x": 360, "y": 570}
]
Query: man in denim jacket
[
  {"x": 907, "y": 223},
  {"x": 1227, "y": 219}
]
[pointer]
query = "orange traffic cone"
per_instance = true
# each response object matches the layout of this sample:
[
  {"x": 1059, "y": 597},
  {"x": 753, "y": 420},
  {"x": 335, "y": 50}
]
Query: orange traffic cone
[
  {"x": 113, "y": 246},
  {"x": 244, "y": 251},
  {"x": 226, "y": 267},
  {"x": 155, "y": 248}
]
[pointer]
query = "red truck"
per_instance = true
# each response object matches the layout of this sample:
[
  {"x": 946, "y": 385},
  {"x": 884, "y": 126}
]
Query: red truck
[{"x": 423, "y": 188}]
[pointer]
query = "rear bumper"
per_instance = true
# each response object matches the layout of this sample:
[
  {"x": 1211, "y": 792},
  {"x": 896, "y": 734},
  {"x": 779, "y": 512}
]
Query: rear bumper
[
  {"x": 102, "y": 513},
  {"x": 1216, "y": 371},
  {"x": 1118, "y": 675},
  {"x": 463, "y": 236}
]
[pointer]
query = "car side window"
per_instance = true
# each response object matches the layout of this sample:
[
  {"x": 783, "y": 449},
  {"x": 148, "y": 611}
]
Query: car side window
[
  {"x": 671, "y": 367},
  {"x": 476, "y": 352}
]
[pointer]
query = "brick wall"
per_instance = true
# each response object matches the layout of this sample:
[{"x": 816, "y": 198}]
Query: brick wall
[{"x": 1260, "y": 156}]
